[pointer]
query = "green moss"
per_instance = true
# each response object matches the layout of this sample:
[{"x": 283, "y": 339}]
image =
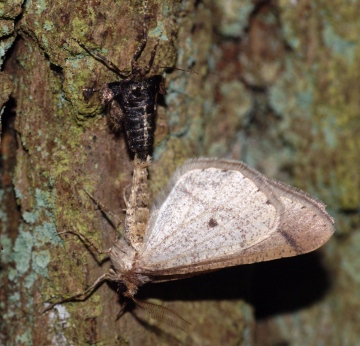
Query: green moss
[
  {"x": 80, "y": 27},
  {"x": 92, "y": 13}
]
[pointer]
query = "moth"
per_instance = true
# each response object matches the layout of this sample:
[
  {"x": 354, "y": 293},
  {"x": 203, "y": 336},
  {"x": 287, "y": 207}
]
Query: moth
[
  {"x": 131, "y": 102},
  {"x": 216, "y": 214}
]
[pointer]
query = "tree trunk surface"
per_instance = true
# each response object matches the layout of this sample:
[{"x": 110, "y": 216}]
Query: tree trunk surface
[{"x": 276, "y": 85}]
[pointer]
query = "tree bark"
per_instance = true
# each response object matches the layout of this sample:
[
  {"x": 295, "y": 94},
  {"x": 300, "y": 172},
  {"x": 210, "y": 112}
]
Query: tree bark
[{"x": 261, "y": 93}]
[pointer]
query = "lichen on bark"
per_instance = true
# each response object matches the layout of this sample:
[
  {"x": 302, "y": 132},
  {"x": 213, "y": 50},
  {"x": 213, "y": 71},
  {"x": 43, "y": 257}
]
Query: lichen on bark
[{"x": 276, "y": 86}]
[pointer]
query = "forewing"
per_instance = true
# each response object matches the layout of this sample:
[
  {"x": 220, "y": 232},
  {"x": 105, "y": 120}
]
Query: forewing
[
  {"x": 223, "y": 213},
  {"x": 211, "y": 214}
]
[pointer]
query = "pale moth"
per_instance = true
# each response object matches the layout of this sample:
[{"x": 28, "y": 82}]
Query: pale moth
[{"x": 216, "y": 214}]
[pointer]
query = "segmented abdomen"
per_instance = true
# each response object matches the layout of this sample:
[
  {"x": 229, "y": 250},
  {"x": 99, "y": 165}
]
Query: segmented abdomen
[
  {"x": 137, "y": 100},
  {"x": 139, "y": 125}
]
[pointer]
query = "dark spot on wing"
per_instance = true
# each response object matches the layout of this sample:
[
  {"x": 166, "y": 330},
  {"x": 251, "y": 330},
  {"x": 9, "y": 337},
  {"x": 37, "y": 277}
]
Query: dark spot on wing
[{"x": 212, "y": 223}]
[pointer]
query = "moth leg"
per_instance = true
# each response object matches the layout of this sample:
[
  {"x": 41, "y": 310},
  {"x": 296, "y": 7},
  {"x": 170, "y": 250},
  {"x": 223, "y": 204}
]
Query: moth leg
[
  {"x": 134, "y": 64},
  {"x": 113, "y": 110},
  {"x": 162, "y": 87},
  {"x": 104, "y": 209},
  {"x": 114, "y": 116},
  {"x": 122, "y": 309},
  {"x": 147, "y": 68},
  {"x": 109, "y": 64},
  {"x": 116, "y": 226},
  {"x": 126, "y": 200},
  {"x": 88, "y": 241},
  {"x": 85, "y": 294}
]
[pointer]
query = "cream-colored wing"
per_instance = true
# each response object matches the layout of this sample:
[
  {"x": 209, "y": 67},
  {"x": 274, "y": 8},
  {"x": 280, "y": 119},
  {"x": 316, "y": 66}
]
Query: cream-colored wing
[
  {"x": 222, "y": 213},
  {"x": 211, "y": 213}
]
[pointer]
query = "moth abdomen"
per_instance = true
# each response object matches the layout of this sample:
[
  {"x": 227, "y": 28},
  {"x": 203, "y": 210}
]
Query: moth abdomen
[
  {"x": 137, "y": 100},
  {"x": 139, "y": 130}
]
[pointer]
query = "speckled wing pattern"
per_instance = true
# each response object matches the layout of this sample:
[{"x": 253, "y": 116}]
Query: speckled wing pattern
[{"x": 222, "y": 213}]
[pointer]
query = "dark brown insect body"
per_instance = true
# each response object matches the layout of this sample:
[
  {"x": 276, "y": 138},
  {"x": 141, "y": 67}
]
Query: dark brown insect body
[
  {"x": 132, "y": 106},
  {"x": 131, "y": 103}
]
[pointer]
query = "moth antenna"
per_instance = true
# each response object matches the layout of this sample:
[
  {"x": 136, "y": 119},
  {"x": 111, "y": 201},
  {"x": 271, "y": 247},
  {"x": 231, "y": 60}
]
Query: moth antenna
[
  {"x": 162, "y": 313},
  {"x": 85, "y": 294},
  {"x": 138, "y": 51}
]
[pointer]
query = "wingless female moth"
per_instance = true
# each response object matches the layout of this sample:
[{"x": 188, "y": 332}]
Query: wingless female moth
[
  {"x": 131, "y": 103},
  {"x": 216, "y": 214}
]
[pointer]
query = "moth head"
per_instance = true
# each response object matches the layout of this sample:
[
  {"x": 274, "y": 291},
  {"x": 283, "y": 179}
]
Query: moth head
[{"x": 124, "y": 286}]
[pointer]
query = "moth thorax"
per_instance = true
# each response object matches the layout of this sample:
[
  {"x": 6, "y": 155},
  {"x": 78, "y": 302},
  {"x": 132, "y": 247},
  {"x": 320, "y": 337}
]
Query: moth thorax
[
  {"x": 122, "y": 257},
  {"x": 106, "y": 95}
]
